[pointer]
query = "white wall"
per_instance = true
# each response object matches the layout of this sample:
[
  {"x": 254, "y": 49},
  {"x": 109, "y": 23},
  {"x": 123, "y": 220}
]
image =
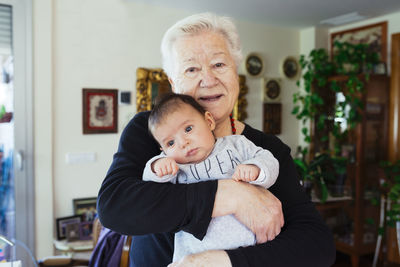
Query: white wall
[
  {"x": 273, "y": 45},
  {"x": 100, "y": 44}
]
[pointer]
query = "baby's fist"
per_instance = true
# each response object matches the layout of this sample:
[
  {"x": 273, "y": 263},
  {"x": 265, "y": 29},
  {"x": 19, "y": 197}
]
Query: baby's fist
[
  {"x": 246, "y": 173},
  {"x": 164, "y": 166}
]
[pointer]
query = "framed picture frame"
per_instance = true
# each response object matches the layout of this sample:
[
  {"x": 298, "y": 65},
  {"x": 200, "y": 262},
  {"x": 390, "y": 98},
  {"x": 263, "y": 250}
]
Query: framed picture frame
[
  {"x": 254, "y": 65},
  {"x": 85, "y": 230},
  {"x": 271, "y": 92},
  {"x": 100, "y": 111},
  {"x": 61, "y": 224},
  {"x": 86, "y": 208},
  {"x": 72, "y": 231},
  {"x": 375, "y": 35},
  {"x": 272, "y": 113},
  {"x": 290, "y": 68}
]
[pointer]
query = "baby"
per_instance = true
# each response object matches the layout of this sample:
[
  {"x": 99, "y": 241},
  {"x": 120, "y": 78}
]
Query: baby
[{"x": 190, "y": 154}]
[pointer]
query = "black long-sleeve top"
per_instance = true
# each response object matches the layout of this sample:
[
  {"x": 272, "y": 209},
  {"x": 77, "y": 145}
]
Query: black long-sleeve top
[{"x": 152, "y": 212}]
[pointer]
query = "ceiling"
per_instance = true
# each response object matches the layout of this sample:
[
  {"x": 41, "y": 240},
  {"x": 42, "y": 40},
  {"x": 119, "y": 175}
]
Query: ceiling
[{"x": 286, "y": 13}]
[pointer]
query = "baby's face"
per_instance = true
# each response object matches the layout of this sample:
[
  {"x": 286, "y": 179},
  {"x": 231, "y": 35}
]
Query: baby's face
[{"x": 186, "y": 135}]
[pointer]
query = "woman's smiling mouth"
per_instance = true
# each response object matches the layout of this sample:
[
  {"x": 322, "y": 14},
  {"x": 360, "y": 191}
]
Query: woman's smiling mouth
[{"x": 210, "y": 98}]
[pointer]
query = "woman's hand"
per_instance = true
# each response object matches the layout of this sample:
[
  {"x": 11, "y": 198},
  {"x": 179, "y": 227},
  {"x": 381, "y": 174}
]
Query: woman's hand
[
  {"x": 255, "y": 207},
  {"x": 211, "y": 258}
]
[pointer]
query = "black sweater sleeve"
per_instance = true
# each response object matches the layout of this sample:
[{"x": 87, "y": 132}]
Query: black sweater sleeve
[
  {"x": 305, "y": 240},
  {"x": 128, "y": 205}
]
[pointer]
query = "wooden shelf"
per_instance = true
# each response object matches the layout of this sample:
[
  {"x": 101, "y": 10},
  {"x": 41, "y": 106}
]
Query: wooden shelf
[
  {"x": 369, "y": 139},
  {"x": 333, "y": 203}
]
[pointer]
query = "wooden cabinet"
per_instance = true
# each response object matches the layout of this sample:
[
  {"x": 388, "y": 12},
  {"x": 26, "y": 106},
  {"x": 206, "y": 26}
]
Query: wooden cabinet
[{"x": 351, "y": 220}]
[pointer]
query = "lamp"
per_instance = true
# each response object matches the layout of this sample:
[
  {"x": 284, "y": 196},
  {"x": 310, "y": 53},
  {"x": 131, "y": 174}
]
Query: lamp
[{"x": 15, "y": 243}]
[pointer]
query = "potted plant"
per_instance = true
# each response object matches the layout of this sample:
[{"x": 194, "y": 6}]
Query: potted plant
[{"x": 331, "y": 117}]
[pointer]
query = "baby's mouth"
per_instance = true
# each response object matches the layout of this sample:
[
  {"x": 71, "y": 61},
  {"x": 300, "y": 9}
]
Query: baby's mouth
[
  {"x": 210, "y": 98},
  {"x": 191, "y": 152}
]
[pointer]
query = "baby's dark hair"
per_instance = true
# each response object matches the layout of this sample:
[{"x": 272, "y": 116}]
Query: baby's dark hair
[{"x": 169, "y": 103}]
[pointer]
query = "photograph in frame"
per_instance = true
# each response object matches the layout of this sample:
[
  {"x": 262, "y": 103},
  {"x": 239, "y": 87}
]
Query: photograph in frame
[
  {"x": 100, "y": 111},
  {"x": 72, "y": 231},
  {"x": 85, "y": 230},
  {"x": 86, "y": 208},
  {"x": 62, "y": 223}
]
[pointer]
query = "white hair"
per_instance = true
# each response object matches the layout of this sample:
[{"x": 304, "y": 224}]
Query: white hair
[{"x": 196, "y": 24}]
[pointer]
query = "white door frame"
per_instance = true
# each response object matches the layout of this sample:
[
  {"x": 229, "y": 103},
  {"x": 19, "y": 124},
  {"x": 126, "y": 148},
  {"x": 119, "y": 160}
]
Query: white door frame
[{"x": 23, "y": 125}]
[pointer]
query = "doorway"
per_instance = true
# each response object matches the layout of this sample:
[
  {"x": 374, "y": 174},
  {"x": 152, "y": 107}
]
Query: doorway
[{"x": 16, "y": 135}]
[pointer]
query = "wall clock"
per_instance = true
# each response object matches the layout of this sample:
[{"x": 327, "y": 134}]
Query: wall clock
[
  {"x": 254, "y": 64},
  {"x": 290, "y": 67},
  {"x": 272, "y": 90}
]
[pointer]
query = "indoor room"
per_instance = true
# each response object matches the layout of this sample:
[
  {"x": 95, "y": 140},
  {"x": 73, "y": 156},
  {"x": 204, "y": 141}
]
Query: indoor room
[{"x": 322, "y": 77}]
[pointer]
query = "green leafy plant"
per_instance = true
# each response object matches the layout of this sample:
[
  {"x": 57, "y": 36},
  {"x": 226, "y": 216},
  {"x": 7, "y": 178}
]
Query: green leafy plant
[
  {"x": 2, "y": 111},
  {"x": 391, "y": 187},
  {"x": 319, "y": 105}
]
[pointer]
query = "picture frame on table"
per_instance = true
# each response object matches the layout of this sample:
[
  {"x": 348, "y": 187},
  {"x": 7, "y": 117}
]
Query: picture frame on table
[
  {"x": 85, "y": 230},
  {"x": 72, "y": 232},
  {"x": 86, "y": 208},
  {"x": 375, "y": 35},
  {"x": 61, "y": 224},
  {"x": 100, "y": 111}
]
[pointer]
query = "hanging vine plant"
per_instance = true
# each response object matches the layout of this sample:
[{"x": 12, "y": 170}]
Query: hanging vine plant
[{"x": 333, "y": 108}]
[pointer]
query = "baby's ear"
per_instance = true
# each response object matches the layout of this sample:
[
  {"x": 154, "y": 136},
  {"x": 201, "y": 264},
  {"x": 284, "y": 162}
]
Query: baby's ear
[
  {"x": 210, "y": 120},
  {"x": 161, "y": 149}
]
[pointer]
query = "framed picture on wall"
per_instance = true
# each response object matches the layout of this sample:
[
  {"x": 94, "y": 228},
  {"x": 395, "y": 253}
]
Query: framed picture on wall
[
  {"x": 100, "y": 111},
  {"x": 375, "y": 35},
  {"x": 272, "y": 113}
]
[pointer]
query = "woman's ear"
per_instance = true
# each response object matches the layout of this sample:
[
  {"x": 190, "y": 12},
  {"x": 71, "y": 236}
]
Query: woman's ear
[
  {"x": 210, "y": 120},
  {"x": 172, "y": 84}
]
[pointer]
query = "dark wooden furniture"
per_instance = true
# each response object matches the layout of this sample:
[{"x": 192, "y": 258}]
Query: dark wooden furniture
[{"x": 349, "y": 218}]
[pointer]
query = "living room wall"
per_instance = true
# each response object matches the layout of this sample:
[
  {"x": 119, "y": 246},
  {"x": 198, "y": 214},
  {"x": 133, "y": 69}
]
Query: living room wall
[{"x": 100, "y": 44}]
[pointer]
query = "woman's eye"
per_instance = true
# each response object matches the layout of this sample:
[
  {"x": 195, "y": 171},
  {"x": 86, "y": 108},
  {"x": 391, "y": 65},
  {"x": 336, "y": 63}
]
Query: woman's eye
[
  {"x": 220, "y": 67},
  {"x": 171, "y": 143},
  {"x": 188, "y": 129},
  {"x": 191, "y": 72}
]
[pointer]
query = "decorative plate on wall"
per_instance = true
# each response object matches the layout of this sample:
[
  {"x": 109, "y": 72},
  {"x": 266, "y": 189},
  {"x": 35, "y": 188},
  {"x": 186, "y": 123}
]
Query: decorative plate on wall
[
  {"x": 290, "y": 67},
  {"x": 271, "y": 90},
  {"x": 254, "y": 65}
]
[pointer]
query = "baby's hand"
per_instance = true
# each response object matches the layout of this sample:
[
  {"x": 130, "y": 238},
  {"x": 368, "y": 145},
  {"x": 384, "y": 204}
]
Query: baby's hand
[
  {"x": 246, "y": 173},
  {"x": 164, "y": 166}
]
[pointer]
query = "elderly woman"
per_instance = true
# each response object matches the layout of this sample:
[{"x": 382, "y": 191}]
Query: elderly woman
[{"x": 201, "y": 55}]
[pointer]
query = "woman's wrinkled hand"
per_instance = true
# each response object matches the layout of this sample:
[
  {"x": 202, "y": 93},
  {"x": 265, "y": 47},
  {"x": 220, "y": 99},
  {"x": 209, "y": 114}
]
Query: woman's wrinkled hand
[
  {"x": 261, "y": 212},
  {"x": 211, "y": 258},
  {"x": 254, "y": 206}
]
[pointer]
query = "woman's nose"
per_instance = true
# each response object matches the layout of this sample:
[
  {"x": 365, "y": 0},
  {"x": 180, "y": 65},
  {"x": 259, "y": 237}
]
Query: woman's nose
[{"x": 208, "y": 78}]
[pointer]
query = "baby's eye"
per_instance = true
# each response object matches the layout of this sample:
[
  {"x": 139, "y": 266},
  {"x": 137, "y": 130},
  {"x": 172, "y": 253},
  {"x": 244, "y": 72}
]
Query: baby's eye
[
  {"x": 188, "y": 129},
  {"x": 170, "y": 143}
]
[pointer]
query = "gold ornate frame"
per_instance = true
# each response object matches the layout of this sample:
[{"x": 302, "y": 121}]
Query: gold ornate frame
[{"x": 146, "y": 77}]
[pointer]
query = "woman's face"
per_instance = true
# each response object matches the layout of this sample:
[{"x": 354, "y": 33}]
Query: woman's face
[{"x": 204, "y": 69}]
